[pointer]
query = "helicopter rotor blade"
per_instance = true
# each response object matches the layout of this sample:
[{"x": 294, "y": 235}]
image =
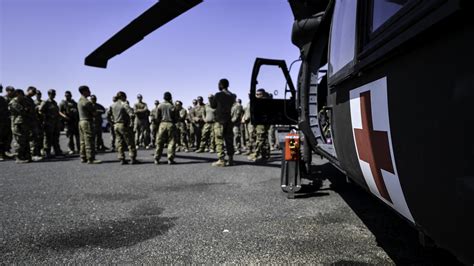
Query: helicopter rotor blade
[{"x": 156, "y": 16}]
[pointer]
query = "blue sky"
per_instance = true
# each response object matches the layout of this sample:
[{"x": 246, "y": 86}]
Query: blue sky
[{"x": 44, "y": 42}]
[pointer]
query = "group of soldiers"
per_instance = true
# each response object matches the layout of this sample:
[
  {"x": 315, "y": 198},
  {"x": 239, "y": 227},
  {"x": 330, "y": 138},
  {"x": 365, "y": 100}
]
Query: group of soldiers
[{"x": 220, "y": 126}]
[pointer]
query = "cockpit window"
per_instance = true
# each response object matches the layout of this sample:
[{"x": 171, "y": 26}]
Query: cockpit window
[
  {"x": 343, "y": 35},
  {"x": 383, "y": 10}
]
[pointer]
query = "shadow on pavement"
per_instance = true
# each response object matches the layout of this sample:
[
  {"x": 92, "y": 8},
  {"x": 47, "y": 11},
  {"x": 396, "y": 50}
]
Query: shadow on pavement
[{"x": 395, "y": 235}]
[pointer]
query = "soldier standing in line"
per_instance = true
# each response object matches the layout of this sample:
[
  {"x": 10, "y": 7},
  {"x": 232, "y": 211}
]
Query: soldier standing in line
[
  {"x": 49, "y": 110},
  {"x": 142, "y": 123},
  {"x": 262, "y": 146},
  {"x": 243, "y": 133},
  {"x": 98, "y": 120},
  {"x": 8, "y": 134},
  {"x": 154, "y": 124},
  {"x": 40, "y": 119},
  {"x": 181, "y": 131},
  {"x": 4, "y": 126},
  {"x": 236, "y": 118},
  {"x": 249, "y": 130},
  {"x": 122, "y": 115},
  {"x": 86, "y": 127},
  {"x": 192, "y": 135},
  {"x": 208, "y": 143},
  {"x": 222, "y": 102},
  {"x": 197, "y": 113},
  {"x": 111, "y": 122},
  {"x": 166, "y": 114},
  {"x": 70, "y": 114},
  {"x": 36, "y": 141},
  {"x": 20, "y": 113}
]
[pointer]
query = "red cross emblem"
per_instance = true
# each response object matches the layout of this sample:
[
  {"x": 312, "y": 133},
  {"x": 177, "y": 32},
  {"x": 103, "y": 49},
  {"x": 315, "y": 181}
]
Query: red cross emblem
[{"x": 373, "y": 146}]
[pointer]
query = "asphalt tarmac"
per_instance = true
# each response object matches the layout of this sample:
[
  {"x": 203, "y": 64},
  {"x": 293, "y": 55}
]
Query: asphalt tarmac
[{"x": 63, "y": 211}]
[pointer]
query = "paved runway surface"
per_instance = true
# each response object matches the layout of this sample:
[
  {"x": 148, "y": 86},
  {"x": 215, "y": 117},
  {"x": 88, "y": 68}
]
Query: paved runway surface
[{"x": 63, "y": 211}]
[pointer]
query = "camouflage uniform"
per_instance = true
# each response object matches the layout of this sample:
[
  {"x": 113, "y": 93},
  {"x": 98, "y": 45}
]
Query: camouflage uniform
[
  {"x": 142, "y": 124},
  {"x": 249, "y": 130},
  {"x": 20, "y": 113},
  {"x": 166, "y": 114},
  {"x": 5, "y": 127},
  {"x": 262, "y": 145},
  {"x": 122, "y": 115},
  {"x": 98, "y": 120},
  {"x": 86, "y": 129},
  {"x": 190, "y": 127},
  {"x": 207, "y": 136},
  {"x": 154, "y": 125},
  {"x": 71, "y": 125},
  {"x": 52, "y": 127},
  {"x": 36, "y": 134},
  {"x": 197, "y": 114},
  {"x": 110, "y": 118},
  {"x": 181, "y": 130},
  {"x": 236, "y": 117},
  {"x": 8, "y": 132},
  {"x": 40, "y": 119},
  {"x": 223, "y": 102}
]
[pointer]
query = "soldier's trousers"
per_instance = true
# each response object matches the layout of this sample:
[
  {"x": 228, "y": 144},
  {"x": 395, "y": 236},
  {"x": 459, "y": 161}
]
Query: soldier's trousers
[
  {"x": 250, "y": 137},
  {"x": 112, "y": 136},
  {"x": 182, "y": 135},
  {"x": 262, "y": 146},
  {"x": 36, "y": 138},
  {"x": 272, "y": 136},
  {"x": 86, "y": 138},
  {"x": 21, "y": 133},
  {"x": 166, "y": 134},
  {"x": 142, "y": 129},
  {"x": 5, "y": 139},
  {"x": 98, "y": 140},
  {"x": 72, "y": 133},
  {"x": 223, "y": 134},
  {"x": 124, "y": 136},
  {"x": 51, "y": 138},
  {"x": 198, "y": 133},
  {"x": 154, "y": 131},
  {"x": 237, "y": 137},
  {"x": 192, "y": 135},
  {"x": 208, "y": 137},
  {"x": 243, "y": 135}
]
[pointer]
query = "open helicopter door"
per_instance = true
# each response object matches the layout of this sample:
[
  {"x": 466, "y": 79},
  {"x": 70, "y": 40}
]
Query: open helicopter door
[
  {"x": 283, "y": 114},
  {"x": 269, "y": 111}
]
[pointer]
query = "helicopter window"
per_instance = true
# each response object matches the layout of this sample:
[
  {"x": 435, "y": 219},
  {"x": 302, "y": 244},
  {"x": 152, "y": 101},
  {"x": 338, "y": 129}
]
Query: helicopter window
[
  {"x": 343, "y": 34},
  {"x": 383, "y": 10}
]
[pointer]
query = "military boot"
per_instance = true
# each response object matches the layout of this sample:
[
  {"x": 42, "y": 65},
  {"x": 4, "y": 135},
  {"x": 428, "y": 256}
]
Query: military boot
[
  {"x": 94, "y": 161},
  {"x": 134, "y": 161},
  {"x": 219, "y": 163},
  {"x": 230, "y": 162}
]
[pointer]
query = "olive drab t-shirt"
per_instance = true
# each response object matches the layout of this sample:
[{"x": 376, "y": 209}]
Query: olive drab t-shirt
[
  {"x": 121, "y": 112},
  {"x": 166, "y": 112},
  {"x": 50, "y": 110},
  {"x": 210, "y": 115},
  {"x": 86, "y": 109},
  {"x": 69, "y": 108},
  {"x": 223, "y": 102}
]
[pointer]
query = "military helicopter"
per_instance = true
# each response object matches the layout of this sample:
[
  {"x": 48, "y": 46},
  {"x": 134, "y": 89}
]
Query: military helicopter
[{"x": 396, "y": 97}]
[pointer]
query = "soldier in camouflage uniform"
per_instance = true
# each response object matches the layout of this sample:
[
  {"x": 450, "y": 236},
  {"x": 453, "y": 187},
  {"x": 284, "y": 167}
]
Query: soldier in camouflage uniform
[
  {"x": 208, "y": 142},
  {"x": 192, "y": 135},
  {"x": 70, "y": 114},
  {"x": 98, "y": 120},
  {"x": 49, "y": 111},
  {"x": 181, "y": 128},
  {"x": 142, "y": 123},
  {"x": 86, "y": 127},
  {"x": 222, "y": 102},
  {"x": 8, "y": 132},
  {"x": 20, "y": 112},
  {"x": 236, "y": 118},
  {"x": 40, "y": 118},
  {"x": 249, "y": 130},
  {"x": 262, "y": 146},
  {"x": 197, "y": 114},
  {"x": 166, "y": 114},
  {"x": 36, "y": 140},
  {"x": 154, "y": 126},
  {"x": 4, "y": 126},
  {"x": 111, "y": 122},
  {"x": 122, "y": 115}
]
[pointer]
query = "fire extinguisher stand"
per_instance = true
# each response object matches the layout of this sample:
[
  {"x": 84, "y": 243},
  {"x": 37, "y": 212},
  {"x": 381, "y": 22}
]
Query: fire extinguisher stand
[{"x": 290, "y": 168}]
